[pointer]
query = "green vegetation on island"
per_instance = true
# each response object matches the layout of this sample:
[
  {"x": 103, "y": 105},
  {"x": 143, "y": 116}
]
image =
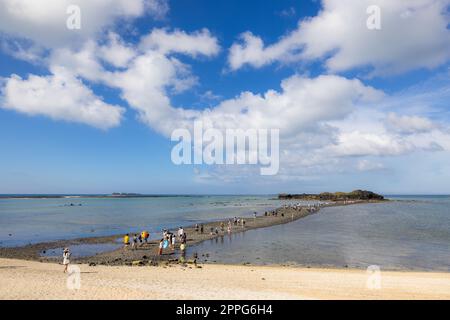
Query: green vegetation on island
[{"x": 336, "y": 196}]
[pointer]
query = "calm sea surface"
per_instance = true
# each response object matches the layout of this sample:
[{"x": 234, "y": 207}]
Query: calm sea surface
[
  {"x": 412, "y": 233},
  {"x": 24, "y": 221}
]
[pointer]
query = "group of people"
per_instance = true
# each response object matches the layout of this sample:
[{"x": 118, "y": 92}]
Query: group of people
[
  {"x": 215, "y": 230},
  {"x": 272, "y": 213},
  {"x": 168, "y": 240},
  {"x": 137, "y": 239}
]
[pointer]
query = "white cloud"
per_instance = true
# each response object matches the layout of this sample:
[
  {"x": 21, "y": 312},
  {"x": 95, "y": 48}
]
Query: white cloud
[
  {"x": 116, "y": 52},
  {"x": 409, "y": 124},
  {"x": 382, "y": 130},
  {"x": 326, "y": 123},
  {"x": 178, "y": 41},
  {"x": 299, "y": 106},
  {"x": 414, "y": 35},
  {"x": 145, "y": 76},
  {"x": 44, "y": 21},
  {"x": 61, "y": 97},
  {"x": 145, "y": 85},
  {"x": 84, "y": 62},
  {"x": 356, "y": 143}
]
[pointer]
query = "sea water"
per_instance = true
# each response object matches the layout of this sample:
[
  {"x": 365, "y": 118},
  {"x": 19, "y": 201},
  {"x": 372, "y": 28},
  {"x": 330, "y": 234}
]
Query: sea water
[
  {"x": 411, "y": 233},
  {"x": 24, "y": 221}
]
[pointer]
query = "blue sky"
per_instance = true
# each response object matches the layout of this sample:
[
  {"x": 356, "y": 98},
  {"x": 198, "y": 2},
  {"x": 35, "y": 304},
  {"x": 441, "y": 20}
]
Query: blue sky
[{"x": 92, "y": 110}]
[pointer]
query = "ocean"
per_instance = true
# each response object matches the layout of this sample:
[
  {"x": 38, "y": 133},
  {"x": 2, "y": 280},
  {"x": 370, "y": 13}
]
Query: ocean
[
  {"x": 411, "y": 232},
  {"x": 24, "y": 221}
]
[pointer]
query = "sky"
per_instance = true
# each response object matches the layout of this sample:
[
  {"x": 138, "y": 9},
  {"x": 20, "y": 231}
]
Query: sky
[{"x": 359, "y": 91}]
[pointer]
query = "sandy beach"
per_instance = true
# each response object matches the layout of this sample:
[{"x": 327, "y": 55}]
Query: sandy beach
[{"x": 36, "y": 280}]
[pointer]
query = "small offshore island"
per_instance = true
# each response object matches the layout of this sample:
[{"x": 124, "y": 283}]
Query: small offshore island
[{"x": 357, "y": 195}]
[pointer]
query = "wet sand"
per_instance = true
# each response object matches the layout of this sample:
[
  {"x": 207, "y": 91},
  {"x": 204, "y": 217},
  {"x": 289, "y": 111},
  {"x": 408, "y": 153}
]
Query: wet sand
[
  {"x": 147, "y": 253},
  {"x": 34, "y": 280}
]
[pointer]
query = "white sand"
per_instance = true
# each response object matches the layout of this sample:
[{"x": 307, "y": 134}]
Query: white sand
[{"x": 35, "y": 280}]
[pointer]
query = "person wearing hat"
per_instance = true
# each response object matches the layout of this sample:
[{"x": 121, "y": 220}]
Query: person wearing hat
[{"x": 66, "y": 259}]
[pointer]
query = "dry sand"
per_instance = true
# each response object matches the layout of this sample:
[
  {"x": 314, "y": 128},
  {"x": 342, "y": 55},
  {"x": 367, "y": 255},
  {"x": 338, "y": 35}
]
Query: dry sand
[{"x": 21, "y": 279}]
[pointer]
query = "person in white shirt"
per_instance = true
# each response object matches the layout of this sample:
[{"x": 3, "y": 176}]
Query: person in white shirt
[
  {"x": 180, "y": 232},
  {"x": 66, "y": 258},
  {"x": 173, "y": 242}
]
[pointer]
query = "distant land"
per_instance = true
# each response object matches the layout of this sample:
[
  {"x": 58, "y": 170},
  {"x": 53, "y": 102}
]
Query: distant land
[
  {"x": 326, "y": 196},
  {"x": 336, "y": 196},
  {"x": 68, "y": 196}
]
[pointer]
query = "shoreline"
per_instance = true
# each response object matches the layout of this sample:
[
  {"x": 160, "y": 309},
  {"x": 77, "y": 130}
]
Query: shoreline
[
  {"x": 34, "y": 280},
  {"x": 147, "y": 254}
]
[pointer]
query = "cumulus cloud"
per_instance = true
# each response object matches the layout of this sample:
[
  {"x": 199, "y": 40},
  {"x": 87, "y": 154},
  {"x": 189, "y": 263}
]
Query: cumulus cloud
[
  {"x": 198, "y": 43},
  {"x": 44, "y": 21},
  {"x": 59, "y": 96},
  {"x": 358, "y": 143},
  {"x": 145, "y": 76},
  {"x": 116, "y": 52},
  {"x": 299, "y": 105},
  {"x": 326, "y": 122},
  {"x": 84, "y": 62},
  {"x": 381, "y": 130},
  {"x": 413, "y": 35},
  {"x": 408, "y": 124}
]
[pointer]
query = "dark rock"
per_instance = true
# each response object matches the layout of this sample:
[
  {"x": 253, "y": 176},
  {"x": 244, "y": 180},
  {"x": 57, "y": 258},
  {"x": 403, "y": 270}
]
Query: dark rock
[{"x": 354, "y": 195}]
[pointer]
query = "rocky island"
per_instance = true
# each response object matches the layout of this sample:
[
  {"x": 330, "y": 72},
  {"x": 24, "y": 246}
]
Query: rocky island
[{"x": 336, "y": 196}]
